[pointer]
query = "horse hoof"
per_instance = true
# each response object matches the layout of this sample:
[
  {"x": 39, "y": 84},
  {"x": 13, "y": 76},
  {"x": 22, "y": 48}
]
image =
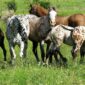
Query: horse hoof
[{"x": 39, "y": 63}]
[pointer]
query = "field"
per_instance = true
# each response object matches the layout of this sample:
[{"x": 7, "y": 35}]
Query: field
[{"x": 30, "y": 73}]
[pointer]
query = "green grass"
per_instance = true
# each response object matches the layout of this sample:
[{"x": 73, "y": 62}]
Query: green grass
[{"x": 30, "y": 73}]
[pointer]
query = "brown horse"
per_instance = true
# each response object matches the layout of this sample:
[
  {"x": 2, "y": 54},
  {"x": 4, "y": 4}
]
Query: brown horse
[
  {"x": 2, "y": 44},
  {"x": 38, "y": 10},
  {"x": 41, "y": 11},
  {"x": 73, "y": 20}
]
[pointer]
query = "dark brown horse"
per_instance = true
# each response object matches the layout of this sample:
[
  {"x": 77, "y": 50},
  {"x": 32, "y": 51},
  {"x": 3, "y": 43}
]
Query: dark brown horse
[{"x": 2, "y": 44}]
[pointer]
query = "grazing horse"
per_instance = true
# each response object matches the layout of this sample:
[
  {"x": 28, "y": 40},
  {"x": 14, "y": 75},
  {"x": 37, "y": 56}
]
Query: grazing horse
[
  {"x": 17, "y": 33},
  {"x": 2, "y": 44}
]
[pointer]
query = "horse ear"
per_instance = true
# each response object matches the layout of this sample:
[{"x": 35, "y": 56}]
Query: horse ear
[
  {"x": 50, "y": 8},
  {"x": 53, "y": 8}
]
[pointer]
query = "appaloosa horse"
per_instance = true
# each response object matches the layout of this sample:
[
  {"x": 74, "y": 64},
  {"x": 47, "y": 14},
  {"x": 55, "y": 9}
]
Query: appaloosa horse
[
  {"x": 17, "y": 33},
  {"x": 65, "y": 34},
  {"x": 2, "y": 43}
]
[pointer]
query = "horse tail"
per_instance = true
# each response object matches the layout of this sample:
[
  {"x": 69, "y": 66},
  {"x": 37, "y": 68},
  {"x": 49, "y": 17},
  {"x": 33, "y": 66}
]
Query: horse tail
[{"x": 68, "y": 28}]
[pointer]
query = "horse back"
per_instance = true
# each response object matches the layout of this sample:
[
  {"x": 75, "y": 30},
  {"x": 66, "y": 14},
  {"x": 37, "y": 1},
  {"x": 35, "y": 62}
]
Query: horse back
[
  {"x": 76, "y": 20},
  {"x": 62, "y": 20}
]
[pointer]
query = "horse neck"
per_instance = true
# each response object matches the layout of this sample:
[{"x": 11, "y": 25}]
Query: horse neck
[
  {"x": 46, "y": 23},
  {"x": 42, "y": 11},
  {"x": 62, "y": 20}
]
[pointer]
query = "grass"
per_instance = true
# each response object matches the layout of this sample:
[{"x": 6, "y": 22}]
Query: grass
[{"x": 30, "y": 73}]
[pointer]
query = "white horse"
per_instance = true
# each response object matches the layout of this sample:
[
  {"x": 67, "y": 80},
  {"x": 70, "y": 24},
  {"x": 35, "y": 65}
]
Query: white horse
[{"x": 17, "y": 33}]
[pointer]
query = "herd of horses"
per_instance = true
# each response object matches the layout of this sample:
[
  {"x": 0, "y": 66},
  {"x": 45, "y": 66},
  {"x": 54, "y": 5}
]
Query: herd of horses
[{"x": 45, "y": 26}]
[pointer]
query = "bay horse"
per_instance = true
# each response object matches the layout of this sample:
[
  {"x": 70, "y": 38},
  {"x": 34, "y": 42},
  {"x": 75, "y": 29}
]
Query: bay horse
[
  {"x": 72, "y": 20},
  {"x": 17, "y": 33},
  {"x": 2, "y": 43}
]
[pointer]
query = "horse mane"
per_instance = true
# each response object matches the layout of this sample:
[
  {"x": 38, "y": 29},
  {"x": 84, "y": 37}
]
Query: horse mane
[{"x": 42, "y": 10}]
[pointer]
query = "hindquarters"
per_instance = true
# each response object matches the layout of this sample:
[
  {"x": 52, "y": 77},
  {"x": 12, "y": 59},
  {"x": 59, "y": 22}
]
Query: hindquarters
[{"x": 76, "y": 20}]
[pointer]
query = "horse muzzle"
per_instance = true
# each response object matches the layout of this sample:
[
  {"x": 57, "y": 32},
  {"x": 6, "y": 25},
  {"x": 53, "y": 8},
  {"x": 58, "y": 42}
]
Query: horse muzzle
[{"x": 52, "y": 23}]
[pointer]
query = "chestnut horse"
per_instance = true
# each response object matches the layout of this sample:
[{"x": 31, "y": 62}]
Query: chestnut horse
[{"x": 73, "y": 20}]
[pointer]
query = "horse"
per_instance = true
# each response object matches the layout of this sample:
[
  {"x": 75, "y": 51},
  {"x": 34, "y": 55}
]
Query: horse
[
  {"x": 79, "y": 39},
  {"x": 2, "y": 43},
  {"x": 39, "y": 28},
  {"x": 76, "y": 20},
  {"x": 38, "y": 10},
  {"x": 17, "y": 33},
  {"x": 30, "y": 27},
  {"x": 72, "y": 20},
  {"x": 59, "y": 34}
]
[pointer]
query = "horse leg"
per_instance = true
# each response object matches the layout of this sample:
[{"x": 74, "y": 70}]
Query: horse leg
[
  {"x": 49, "y": 52},
  {"x": 64, "y": 60},
  {"x": 82, "y": 53},
  {"x": 4, "y": 51},
  {"x": 12, "y": 52},
  {"x": 56, "y": 57},
  {"x": 35, "y": 44},
  {"x": 73, "y": 53},
  {"x": 42, "y": 51},
  {"x": 22, "y": 47},
  {"x": 50, "y": 58},
  {"x": 25, "y": 49}
]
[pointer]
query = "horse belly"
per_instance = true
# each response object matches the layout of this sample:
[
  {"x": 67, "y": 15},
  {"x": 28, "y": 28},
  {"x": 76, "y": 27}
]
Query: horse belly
[{"x": 68, "y": 39}]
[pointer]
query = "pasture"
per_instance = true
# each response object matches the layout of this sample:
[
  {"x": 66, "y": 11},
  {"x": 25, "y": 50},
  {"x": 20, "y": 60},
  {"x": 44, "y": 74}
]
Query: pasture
[{"x": 30, "y": 73}]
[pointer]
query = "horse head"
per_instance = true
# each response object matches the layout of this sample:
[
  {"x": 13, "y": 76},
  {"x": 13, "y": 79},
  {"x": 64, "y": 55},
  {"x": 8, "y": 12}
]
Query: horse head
[
  {"x": 33, "y": 10},
  {"x": 52, "y": 16}
]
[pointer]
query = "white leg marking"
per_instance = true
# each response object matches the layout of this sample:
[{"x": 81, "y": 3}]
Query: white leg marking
[{"x": 21, "y": 48}]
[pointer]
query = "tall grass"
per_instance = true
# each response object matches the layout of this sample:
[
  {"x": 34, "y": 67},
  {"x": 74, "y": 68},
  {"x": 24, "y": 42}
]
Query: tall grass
[{"x": 30, "y": 73}]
